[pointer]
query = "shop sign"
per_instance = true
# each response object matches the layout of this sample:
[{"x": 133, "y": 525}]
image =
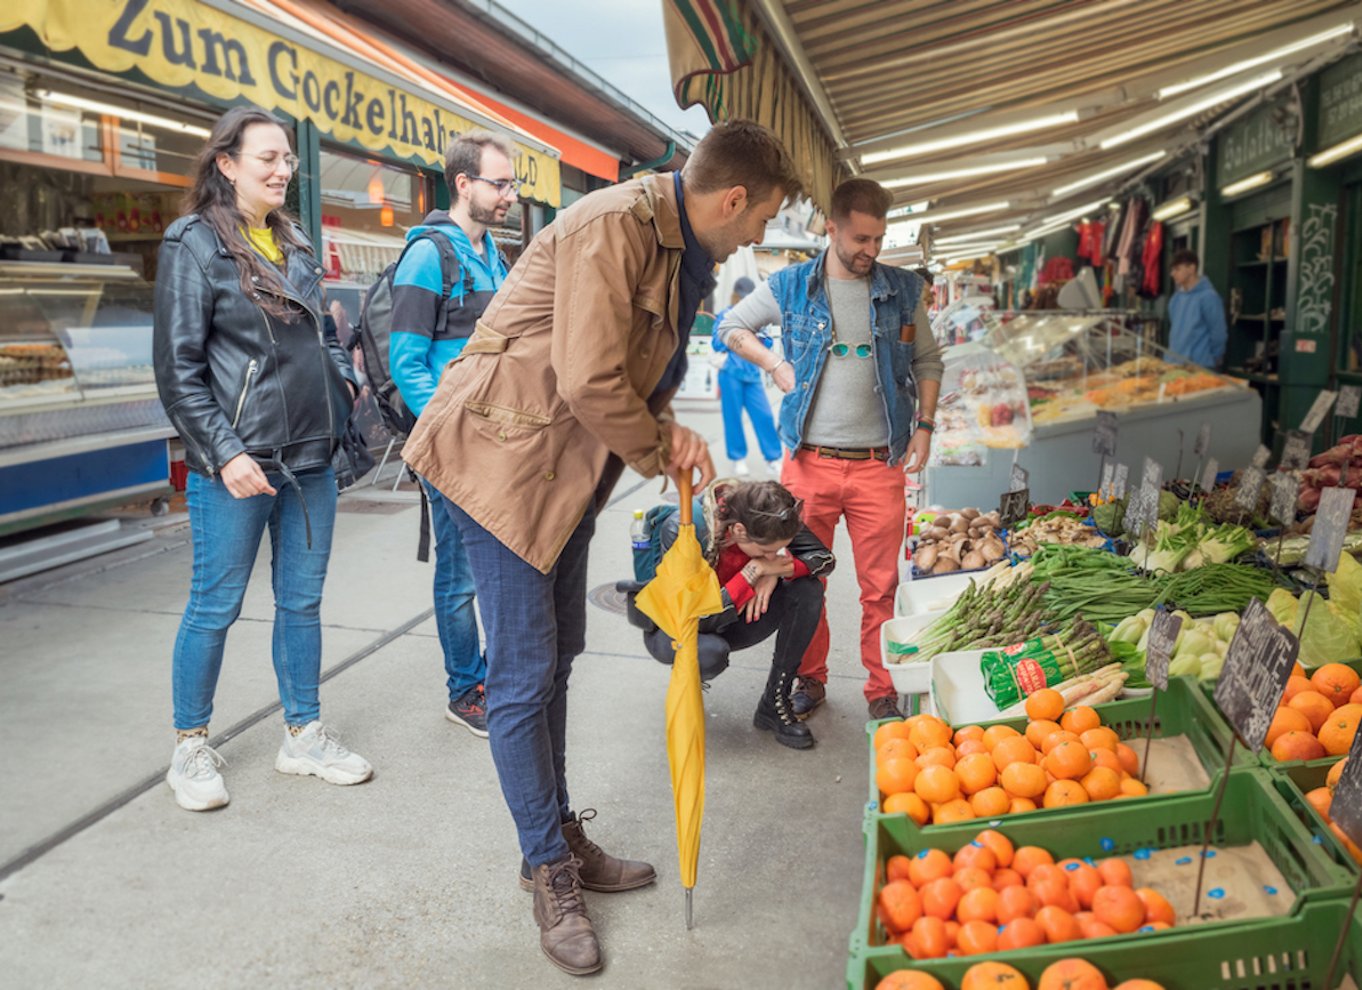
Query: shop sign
[
  {"x": 180, "y": 43},
  {"x": 1340, "y": 101},
  {"x": 1255, "y": 143}
]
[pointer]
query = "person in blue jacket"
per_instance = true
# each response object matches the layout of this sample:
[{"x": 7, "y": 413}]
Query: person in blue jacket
[
  {"x": 482, "y": 188},
  {"x": 1196, "y": 314},
  {"x": 741, "y": 387}
]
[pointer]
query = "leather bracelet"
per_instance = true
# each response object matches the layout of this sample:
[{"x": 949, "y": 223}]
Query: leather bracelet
[
  {"x": 776, "y": 367},
  {"x": 926, "y": 424}
]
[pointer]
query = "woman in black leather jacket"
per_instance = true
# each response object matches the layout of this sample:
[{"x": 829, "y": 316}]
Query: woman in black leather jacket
[{"x": 260, "y": 399}]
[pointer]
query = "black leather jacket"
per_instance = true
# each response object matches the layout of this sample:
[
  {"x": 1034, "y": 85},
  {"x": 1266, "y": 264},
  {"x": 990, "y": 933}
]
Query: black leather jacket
[{"x": 234, "y": 379}]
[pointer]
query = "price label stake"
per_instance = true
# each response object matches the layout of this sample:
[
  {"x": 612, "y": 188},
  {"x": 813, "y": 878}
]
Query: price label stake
[
  {"x": 1346, "y": 811},
  {"x": 1283, "y": 508},
  {"x": 1348, "y": 399},
  {"x": 1251, "y": 684},
  {"x": 1201, "y": 447},
  {"x": 1295, "y": 451},
  {"x": 1163, "y": 636},
  {"x": 1250, "y": 487},
  {"x": 1104, "y": 435},
  {"x": 1326, "y": 541},
  {"x": 1107, "y": 489},
  {"x": 1260, "y": 457},
  {"x": 1119, "y": 481},
  {"x": 1208, "y": 476},
  {"x": 1019, "y": 478},
  {"x": 1318, "y": 410},
  {"x": 1013, "y": 507}
]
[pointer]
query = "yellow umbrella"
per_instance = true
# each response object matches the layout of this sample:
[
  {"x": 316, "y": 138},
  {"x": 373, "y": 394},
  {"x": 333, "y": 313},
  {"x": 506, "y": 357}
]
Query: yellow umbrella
[{"x": 684, "y": 589}]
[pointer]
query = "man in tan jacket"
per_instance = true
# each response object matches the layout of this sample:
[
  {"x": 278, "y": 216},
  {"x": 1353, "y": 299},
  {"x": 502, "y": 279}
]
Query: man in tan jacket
[{"x": 569, "y": 377}]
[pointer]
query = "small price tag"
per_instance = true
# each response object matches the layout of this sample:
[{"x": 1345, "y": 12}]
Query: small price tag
[
  {"x": 1318, "y": 410},
  {"x": 1019, "y": 478},
  {"x": 1104, "y": 435},
  {"x": 1250, "y": 487},
  {"x": 1253, "y": 680},
  {"x": 1106, "y": 489},
  {"x": 1163, "y": 635},
  {"x": 1202, "y": 445},
  {"x": 1119, "y": 481},
  {"x": 1295, "y": 451},
  {"x": 1014, "y": 506},
  {"x": 1331, "y": 525},
  {"x": 1348, "y": 398},
  {"x": 1208, "y": 474},
  {"x": 1346, "y": 807},
  {"x": 1283, "y": 509},
  {"x": 1260, "y": 457}
]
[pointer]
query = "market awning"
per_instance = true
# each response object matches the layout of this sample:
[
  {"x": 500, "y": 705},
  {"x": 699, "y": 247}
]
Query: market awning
[
  {"x": 362, "y": 254},
  {"x": 1026, "y": 107}
]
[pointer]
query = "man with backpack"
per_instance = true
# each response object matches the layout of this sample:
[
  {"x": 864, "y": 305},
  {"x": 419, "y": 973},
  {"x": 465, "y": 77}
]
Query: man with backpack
[{"x": 447, "y": 275}]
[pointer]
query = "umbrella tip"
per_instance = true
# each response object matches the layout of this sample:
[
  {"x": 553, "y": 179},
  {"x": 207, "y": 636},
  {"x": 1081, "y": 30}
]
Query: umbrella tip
[{"x": 690, "y": 919}]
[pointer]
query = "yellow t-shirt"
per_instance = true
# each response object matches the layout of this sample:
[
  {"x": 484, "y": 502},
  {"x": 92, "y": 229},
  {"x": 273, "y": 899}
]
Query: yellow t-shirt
[{"x": 262, "y": 239}]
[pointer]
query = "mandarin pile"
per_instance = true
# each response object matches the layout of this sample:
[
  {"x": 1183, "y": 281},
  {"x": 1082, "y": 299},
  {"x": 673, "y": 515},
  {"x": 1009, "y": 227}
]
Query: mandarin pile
[
  {"x": 936, "y": 775},
  {"x": 991, "y": 896},
  {"x": 1318, "y": 714},
  {"x": 1322, "y": 797},
  {"x": 1066, "y": 974}
]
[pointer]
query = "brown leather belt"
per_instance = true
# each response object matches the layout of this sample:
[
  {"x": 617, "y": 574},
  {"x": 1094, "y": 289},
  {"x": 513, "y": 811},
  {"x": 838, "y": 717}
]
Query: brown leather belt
[{"x": 849, "y": 453}]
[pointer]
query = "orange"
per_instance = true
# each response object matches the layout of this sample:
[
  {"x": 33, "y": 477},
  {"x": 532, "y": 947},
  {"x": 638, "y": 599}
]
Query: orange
[
  {"x": 1286, "y": 720},
  {"x": 1072, "y": 974},
  {"x": 1295, "y": 684},
  {"x": 901, "y": 904},
  {"x": 1156, "y": 906},
  {"x": 1046, "y": 871},
  {"x": 890, "y": 730},
  {"x": 1100, "y": 738},
  {"x": 966, "y": 733},
  {"x": 1055, "y": 892},
  {"x": 895, "y": 748},
  {"x": 1339, "y": 730},
  {"x": 1080, "y": 719},
  {"x": 1320, "y": 799},
  {"x": 976, "y": 772},
  {"x": 1101, "y": 784},
  {"x": 1139, "y": 985},
  {"x": 937, "y": 756},
  {"x": 958, "y": 810},
  {"x": 1335, "y": 772},
  {"x": 977, "y": 855},
  {"x": 1013, "y": 750},
  {"x": 1002, "y": 847},
  {"x": 971, "y": 877},
  {"x": 1297, "y": 670},
  {"x": 1021, "y": 933},
  {"x": 928, "y": 732},
  {"x": 995, "y": 734},
  {"x": 929, "y": 865},
  {"x": 1023, "y": 780},
  {"x": 1314, "y": 706},
  {"x": 980, "y": 904},
  {"x": 908, "y": 979},
  {"x": 927, "y": 940},
  {"x": 896, "y": 775},
  {"x": 1007, "y": 878},
  {"x": 990, "y": 803},
  {"x": 1063, "y": 793},
  {"x": 1021, "y": 804},
  {"x": 993, "y": 976},
  {"x": 1027, "y": 858},
  {"x": 1353, "y": 849},
  {"x": 1046, "y": 704},
  {"x": 1090, "y": 927},
  {"x": 1084, "y": 882},
  {"x": 1016, "y": 902},
  {"x": 969, "y": 748},
  {"x": 1059, "y": 924},
  {"x": 1130, "y": 787},
  {"x": 935, "y": 785},
  {"x": 952, "y": 933},
  {"x": 896, "y": 868},
  {"x": 1119, "y": 907},
  {"x": 1356, "y": 698},
  {"x": 907, "y": 803},
  {"x": 1130, "y": 761},
  {"x": 940, "y": 897},
  {"x": 1055, "y": 738},
  {"x": 1036, "y": 732},
  {"x": 1297, "y": 746},
  {"x": 1108, "y": 758},
  {"x": 1336, "y": 682},
  {"x": 977, "y": 938},
  {"x": 1116, "y": 872},
  {"x": 1067, "y": 761}
]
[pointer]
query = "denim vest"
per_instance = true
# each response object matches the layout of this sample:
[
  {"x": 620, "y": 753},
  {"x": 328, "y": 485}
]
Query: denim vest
[{"x": 806, "y": 335}]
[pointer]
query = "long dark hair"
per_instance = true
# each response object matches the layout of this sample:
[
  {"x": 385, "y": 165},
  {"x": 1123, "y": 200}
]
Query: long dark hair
[
  {"x": 766, "y": 509},
  {"x": 213, "y": 197}
]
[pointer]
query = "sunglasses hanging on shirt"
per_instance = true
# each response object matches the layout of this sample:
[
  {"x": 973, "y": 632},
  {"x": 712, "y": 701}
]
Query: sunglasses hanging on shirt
[{"x": 842, "y": 350}]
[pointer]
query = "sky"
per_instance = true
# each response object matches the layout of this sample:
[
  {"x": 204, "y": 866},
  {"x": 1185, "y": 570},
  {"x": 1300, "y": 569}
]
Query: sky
[{"x": 623, "y": 42}]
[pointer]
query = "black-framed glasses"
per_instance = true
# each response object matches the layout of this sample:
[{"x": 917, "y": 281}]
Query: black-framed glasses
[
  {"x": 271, "y": 159},
  {"x": 842, "y": 350},
  {"x": 504, "y": 187}
]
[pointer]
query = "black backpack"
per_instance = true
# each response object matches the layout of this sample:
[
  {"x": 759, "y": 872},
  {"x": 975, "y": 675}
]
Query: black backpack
[{"x": 375, "y": 329}]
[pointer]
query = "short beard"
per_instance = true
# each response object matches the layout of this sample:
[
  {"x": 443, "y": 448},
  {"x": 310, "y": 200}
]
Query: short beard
[
  {"x": 488, "y": 218},
  {"x": 848, "y": 262}
]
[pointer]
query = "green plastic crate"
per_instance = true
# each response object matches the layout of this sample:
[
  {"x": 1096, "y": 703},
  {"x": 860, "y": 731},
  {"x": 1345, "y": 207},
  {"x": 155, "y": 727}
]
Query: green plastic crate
[
  {"x": 1183, "y": 710},
  {"x": 1290, "y": 953},
  {"x": 1266, "y": 759},
  {"x": 1252, "y": 810},
  {"x": 1293, "y": 783}
]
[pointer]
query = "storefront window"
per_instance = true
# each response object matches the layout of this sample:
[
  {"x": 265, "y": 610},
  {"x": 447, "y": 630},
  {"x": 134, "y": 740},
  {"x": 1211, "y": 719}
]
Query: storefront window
[{"x": 367, "y": 208}]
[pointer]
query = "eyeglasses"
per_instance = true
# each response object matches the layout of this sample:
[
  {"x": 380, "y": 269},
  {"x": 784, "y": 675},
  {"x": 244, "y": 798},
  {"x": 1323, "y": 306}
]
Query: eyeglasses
[
  {"x": 842, "y": 350},
  {"x": 271, "y": 159},
  {"x": 504, "y": 187}
]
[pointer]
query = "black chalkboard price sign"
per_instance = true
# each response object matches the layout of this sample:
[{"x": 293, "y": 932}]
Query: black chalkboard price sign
[
  {"x": 1345, "y": 809},
  {"x": 1018, "y": 478},
  {"x": 1208, "y": 475},
  {"x": 1104, "y": 435},
  {"x": 1202, "y": 446},
  {"x": 1250, "y": 487},
  {"x": 1348, "y": 399},
  {"x": 1013, "y": 506},
  {"x": 1163, "y": 636},
  {"x": 1119, "y": 480},
  {"x": 1254, "y": 677},
  {"x": 1331, "y": 526},
  {"x": 1295, "y": 451},
  {"x": 1284, "y": 488}
]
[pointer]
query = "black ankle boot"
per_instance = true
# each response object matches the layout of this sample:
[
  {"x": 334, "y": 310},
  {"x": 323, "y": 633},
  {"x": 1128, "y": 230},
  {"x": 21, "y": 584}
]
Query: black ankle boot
[{"x": 776, "y": 714}]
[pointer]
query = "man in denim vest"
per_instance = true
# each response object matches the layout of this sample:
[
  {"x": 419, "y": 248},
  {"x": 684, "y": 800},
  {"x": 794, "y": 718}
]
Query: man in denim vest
[{"x": 861, "y": 374}]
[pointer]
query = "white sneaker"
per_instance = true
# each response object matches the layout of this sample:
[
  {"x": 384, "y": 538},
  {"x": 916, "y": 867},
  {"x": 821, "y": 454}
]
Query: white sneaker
[
  {"x": 740, "y": 469},
  {"x": 315, "y": 751},
  {"x": 774, "y": 468},
  {"x": 194, "y": 777}
]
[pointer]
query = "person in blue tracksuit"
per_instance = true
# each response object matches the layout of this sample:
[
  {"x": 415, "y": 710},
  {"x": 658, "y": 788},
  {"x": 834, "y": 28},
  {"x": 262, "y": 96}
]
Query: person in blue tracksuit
[
  {"x": 482, "y": 188},
  {"x": 1196, "y": 315},
  {"x": 741, "y": 387}
]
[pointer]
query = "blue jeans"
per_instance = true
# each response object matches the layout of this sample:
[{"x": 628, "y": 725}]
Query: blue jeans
[
  {"x": 735, "y": 395},
  {"x": 226, "y": 533},
  {"x": 455, "y": 619},
  {"x": 536, "y": 626}
]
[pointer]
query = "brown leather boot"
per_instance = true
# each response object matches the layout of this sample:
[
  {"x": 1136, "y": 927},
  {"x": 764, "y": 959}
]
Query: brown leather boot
[
  {"x": 599, "y": 871},
  {"x": 565, "y": 931}
]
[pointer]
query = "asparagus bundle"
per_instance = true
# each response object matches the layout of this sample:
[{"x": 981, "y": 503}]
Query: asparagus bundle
[
  {"x": 1011, "y": 674},
  {"x": 985, "y": 617}
]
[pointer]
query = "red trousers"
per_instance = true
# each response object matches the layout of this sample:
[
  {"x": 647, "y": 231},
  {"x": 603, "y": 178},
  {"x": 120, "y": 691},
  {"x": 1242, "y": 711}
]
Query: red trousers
[{"x": 870, "y": 495}]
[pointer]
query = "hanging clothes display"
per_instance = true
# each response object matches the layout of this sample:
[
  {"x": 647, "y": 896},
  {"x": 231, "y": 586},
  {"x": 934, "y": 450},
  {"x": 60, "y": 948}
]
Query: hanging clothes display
[
  {"x": 1112, "y": 235},
  {"x": 1151, "y": 258},
  {"x": 1092, "y": 242}
]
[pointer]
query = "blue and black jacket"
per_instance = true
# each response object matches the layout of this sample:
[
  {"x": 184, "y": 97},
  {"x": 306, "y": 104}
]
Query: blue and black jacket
[{"x": 416, "y": 355}]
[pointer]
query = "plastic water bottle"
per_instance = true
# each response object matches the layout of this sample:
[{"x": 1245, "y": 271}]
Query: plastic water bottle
[{"x": 639, "y": 543}]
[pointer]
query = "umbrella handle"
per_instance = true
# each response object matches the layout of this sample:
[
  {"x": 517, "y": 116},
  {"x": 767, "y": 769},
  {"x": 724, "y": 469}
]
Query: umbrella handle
[{"x": 683, "y": 490}]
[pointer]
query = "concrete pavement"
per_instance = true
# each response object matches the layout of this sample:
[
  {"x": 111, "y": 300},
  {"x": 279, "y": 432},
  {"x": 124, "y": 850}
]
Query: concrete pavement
[{"x": 408, "y": 880}]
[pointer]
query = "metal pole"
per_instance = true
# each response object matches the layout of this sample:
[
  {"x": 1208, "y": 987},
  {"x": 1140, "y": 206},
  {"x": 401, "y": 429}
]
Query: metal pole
[
  {"x": 1210, "y": 826},
  {"x": 1342, "y": 937},
  {"x": 1149, "y": 735}
]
